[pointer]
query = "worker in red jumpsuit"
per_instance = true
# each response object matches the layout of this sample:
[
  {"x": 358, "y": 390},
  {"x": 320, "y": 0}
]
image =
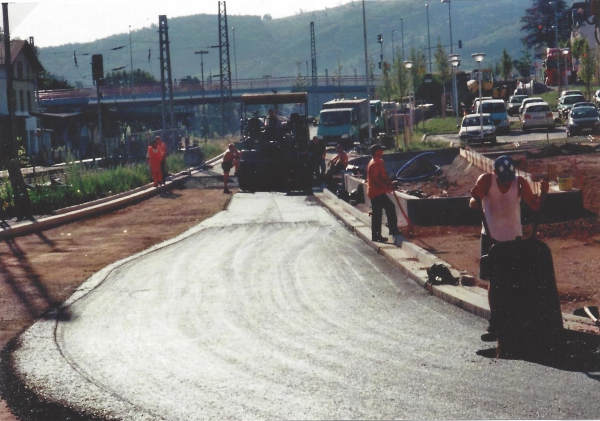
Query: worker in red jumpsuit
[
  {"x": 154, "y": 157},
  {"x": 163, "y": 163},
  {"x": 231, "y": 159}
]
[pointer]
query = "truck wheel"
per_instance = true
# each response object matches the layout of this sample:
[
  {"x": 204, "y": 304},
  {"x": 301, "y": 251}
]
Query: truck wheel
[{"x": 244, "y": 182}]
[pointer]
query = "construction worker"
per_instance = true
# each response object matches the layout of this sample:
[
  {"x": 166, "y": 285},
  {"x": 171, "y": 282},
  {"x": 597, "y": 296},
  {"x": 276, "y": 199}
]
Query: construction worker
[
  {"x": 337, "y": 164},
  {"x": 378, "y": 186},
  {"x": 163, "y": 163},
  {"x": 231, "y": 159},
  {"x": 499, "y": 193},
  {"x": 154, "y": 157}
]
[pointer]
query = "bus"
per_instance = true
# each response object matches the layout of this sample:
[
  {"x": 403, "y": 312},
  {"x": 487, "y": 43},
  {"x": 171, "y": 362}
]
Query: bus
[{"x": 552, "y": 66}]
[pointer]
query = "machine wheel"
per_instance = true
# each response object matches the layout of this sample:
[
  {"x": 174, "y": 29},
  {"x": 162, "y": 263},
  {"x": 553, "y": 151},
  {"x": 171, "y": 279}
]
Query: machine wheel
[{"x": 244, "y": 182}]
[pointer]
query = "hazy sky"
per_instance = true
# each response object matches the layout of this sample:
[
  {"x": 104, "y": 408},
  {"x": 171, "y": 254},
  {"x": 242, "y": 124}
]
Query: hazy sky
[{"x": 54, "y": 22}]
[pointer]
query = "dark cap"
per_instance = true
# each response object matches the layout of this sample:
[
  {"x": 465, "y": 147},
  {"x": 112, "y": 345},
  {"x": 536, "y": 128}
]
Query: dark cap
[
  {"x": 505, "y": 168},
  {"x": 377, "y": 147}
]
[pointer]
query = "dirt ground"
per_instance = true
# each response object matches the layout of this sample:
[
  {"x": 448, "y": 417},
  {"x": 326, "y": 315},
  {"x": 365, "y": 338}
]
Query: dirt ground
[
  {"x": 575, "y": 245},
  {"x": 38, "y": 272}
]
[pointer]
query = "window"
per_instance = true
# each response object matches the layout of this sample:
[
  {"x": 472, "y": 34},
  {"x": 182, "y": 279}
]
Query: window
[
  {"x": 29, "y": 101},
  {"x": 22, "y": 100},
  {"x": 19, "y": 70}
]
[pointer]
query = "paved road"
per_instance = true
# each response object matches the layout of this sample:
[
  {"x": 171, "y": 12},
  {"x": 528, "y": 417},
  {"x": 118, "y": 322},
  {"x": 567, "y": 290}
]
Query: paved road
[{"x": 273, "y": 310}]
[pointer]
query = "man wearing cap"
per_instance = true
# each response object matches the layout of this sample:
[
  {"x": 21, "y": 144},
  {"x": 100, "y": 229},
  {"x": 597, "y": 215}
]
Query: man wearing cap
[
  {"x": 500, "y": 194},
  {"x": 378, "y": 186}
]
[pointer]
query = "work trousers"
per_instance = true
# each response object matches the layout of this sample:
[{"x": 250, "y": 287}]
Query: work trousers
[{"x": 378, "y": 204}]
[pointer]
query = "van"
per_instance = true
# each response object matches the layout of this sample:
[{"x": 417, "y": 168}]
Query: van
[{"x": 497, "y": 109}]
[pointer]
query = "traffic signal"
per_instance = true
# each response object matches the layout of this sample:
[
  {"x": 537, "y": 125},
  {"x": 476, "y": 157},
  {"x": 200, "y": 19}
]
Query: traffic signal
[
  {"x": 380, "y": 38},
  {"x": 97, "y": 67},
  {"x": 379, "y": 65},
  {"x": 459, "y": 43}
]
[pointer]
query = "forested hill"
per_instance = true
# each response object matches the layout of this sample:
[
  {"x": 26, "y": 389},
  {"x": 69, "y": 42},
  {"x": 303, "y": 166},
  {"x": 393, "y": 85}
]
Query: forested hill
[{"x": 261, "y": 46}]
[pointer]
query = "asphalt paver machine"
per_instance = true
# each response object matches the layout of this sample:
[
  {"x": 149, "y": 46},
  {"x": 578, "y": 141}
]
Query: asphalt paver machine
[{"x": 275, "y": 137}]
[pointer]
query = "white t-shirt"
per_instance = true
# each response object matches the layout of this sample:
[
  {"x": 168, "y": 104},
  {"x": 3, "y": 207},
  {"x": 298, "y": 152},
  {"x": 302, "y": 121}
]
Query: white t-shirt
[{"x": 503, "y": 212}]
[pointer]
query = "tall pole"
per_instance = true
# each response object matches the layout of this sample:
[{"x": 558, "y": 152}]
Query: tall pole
[
  {"x": 479, "y": 58},
  {"x": 366, "y": 67},
  {"x": 428, "y": 37},
  {"x": 455, "y": 62},
  {"x": 234, "y": 57},
  {"x": 203, "y": 102},
  {"x": 556, "y": 39},
  {"x": 130, "y": 60},
  {"x": 21, "y": 198},
  {"x": 393, "y": 48},
  {"x": 402, "y": 33},
  {"x": 450, "y": 22}
]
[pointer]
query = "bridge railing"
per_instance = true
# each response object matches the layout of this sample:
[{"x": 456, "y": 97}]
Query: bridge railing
[{"x": 211, "y": 87}]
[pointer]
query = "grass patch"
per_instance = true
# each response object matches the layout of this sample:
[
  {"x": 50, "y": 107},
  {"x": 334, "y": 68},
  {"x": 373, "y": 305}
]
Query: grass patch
[{"x": 436, "y": 126}]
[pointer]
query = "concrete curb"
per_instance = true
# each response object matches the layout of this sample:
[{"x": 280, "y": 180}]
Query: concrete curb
[{"x": 413, "y": 262}]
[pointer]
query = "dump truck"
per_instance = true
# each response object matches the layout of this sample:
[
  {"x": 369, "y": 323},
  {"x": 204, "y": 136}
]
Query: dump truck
[
  {"x": 344, "y": 121},
  {"x": 272, "y": 156}
]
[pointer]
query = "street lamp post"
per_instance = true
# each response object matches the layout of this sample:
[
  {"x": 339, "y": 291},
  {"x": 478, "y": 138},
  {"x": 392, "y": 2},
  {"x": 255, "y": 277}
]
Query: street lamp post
[
  {"x": 428, "y": 37},
  {"x": 479, "y": 58},
  {"x": 393, "y": 48},
  {"x": 409, "y": 64},
  {"x": 203, "y": 102},
  {"x": 450, "y": 22},
  {"x": 555, "y": 3},
  {"x": 402, "y": 33},
  {"x": 130, "y": 59},
  {"x": 565, "y": 52},
  {"x": 455, "y": 62}
]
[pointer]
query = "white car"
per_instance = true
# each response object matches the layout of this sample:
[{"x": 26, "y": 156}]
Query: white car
[
  {"x": 570, "y": 92},
  {"x": 470, "y": 129},
  {"x": 537, "y": 115},
  {"x": 528, "y": 101}
]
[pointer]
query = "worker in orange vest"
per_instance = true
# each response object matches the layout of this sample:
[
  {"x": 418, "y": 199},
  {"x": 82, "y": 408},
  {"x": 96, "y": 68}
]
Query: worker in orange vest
[
  {"x": 154, "y": 157},
  {"x": 163, "y": 163}
]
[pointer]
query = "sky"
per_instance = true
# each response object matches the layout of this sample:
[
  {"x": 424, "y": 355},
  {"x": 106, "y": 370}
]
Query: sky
[{"x": 54, "y": 22}]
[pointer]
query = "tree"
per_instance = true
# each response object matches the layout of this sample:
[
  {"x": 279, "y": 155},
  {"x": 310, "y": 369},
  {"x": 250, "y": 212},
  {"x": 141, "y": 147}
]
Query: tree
[
  {"x": 588, "y": 66},
  {"x": 523, "y": 64},
  {"x": 47, "y": 81},
  {"x": 386, "y": 89},
  {"x": 400, "y": 78},
  {"x": 539, "y": 20},
  {"x": 506, "y": 64},
  {"x": 443, "y": 65}
]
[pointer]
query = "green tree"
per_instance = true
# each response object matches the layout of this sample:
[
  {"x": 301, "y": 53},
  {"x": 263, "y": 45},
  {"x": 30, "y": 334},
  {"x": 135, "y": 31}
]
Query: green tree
[
  {"x": 523, "y": 64},
  {"x": 400, "y": 78},
  {"x": 588, "y": 66},
  {"x": 443, "y": 65},
  {"x": 506, "y": 64},
  {"x": 577, "y": 47},
  {"x": 539, "y": 20},
  {"x": 47, "y": 81},
  {"x": 386, "y": 89}
]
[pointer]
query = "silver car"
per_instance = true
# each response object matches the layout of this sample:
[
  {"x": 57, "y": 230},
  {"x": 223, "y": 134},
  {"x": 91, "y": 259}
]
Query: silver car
[
  {"x": 470, "y": 129},
  {"x": 537, "y": 115}
]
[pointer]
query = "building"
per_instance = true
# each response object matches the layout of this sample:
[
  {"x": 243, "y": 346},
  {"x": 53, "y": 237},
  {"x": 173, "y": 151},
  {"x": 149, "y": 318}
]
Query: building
[{"x": 26, "y": 67}]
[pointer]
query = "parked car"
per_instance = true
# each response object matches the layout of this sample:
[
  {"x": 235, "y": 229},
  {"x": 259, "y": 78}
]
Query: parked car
[
  {"x": 477, "y": 100},
  {"x": 537, "y": 115},
  {"x": 528, "y": 101},
  {"x": 497, "y": 109},
  {"x": 582, "y": 121},
  {"x": 514, "y": 103},
  {"x": 597, "y": 98},
  {"x": 470, "y": 129},
  {"x": 583, "y": 104},
  {"x": 570, "y": 92},
  {"x": 566, "y": 102}
]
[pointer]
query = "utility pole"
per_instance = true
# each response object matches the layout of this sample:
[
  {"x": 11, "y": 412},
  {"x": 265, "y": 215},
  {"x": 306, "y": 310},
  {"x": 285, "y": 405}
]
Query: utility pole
[
  {"x": 21, "y": 198},
  {"x": 313, "y": 58},
  {"x": 225, "y": 62},
  {"x": 366, "y": 67},
  {"x": 130, "y": 60},
  {"x": 165, "y": 73},
  {"x": 204, "y": 129}
]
